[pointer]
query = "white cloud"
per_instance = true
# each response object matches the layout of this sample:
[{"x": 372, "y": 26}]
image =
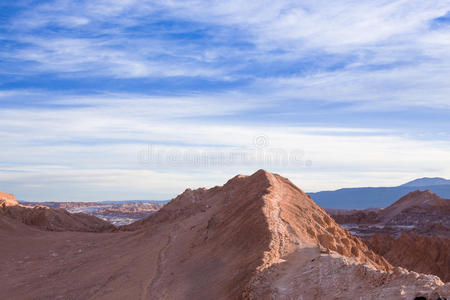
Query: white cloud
[
  {"x": 101, "y": 57},
  {"x": 373, "y": 55},
  {"x": 423, "y": 86},
  {"x": 94, "y": 151},
  {"x": 388, "y": 50}
]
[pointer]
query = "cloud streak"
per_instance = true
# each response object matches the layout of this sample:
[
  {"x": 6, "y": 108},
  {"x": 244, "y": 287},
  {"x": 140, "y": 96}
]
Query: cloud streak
[
  {"x": 97, "y": 148},
  {"x": 86, "y": 85}
]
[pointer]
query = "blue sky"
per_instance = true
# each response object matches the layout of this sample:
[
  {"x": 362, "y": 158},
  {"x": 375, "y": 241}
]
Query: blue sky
[{"x": 111, "y": 100}]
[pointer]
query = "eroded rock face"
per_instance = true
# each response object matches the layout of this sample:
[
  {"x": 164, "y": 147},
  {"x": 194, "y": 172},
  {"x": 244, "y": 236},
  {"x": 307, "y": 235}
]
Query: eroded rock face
[
  {"x": 309, "y": 275},
  {"x": 7, "y": 199},
  {"x": 256, "y": 237},
  {"x": 423, "y": 254},
  {"x": 413, "y": 232}
]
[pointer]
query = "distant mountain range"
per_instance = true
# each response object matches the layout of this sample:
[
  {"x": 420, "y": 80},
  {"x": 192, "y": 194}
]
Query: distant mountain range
[
  {"x": 428, "y": 181},
  {"x": 112, "y": 202},
  {"x": 116, "y": 212},
  {"x": 134, "y": 201},
  {"x": 366, "y": 197}
]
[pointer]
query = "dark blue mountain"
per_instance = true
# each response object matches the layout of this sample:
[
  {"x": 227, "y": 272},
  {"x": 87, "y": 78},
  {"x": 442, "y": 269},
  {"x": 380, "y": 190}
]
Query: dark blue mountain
[
  {"x": 427, "y": 181},
  {"x": 367, "y": 197}
]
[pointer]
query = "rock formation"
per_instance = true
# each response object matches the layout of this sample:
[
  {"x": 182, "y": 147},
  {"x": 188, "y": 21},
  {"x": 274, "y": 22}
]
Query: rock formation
[
  {"x": 423, "y": 254},
  {"x": 413, "y": 232},
  {"x": 7, "y": 200},
  {"x": 256, "y": 237},
  {"x": 419, "y": 208}
]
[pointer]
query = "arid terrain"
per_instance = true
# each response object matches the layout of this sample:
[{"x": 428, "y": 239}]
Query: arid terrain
[
  {"x": 423, "y": 254},
  {"x": 413, "y": 232},
  {"x": 116, "y": 212},
  {"x": 256, "y": 237},
  {"x": 417, "y": 212},
  {"x": 46, "y": 218}
]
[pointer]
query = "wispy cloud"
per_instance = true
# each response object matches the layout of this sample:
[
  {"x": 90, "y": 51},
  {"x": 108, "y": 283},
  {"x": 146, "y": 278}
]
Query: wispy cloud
[
  {"x": 357, "y": 85},
  {"x": 97, "y": 147},
  {"x": 352, "y": 49}
]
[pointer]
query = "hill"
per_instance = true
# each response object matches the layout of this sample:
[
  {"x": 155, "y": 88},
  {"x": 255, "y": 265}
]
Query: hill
[
  {"x": 418, "y": 208},
  {"x": 422, "y": 212}
]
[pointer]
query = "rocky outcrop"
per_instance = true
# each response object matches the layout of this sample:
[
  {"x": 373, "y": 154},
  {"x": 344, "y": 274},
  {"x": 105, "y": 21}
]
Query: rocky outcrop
[
  {"x": 423, "y": 254},
  {"x": 7, "y": 199},
  {"x": 311, "y": 276}
]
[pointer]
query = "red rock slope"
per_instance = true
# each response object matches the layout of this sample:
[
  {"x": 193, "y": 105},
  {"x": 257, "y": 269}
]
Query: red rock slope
[
  {"x": 413, "y": 232},
  {"x": 419, "y": 208},
  {"x": 423, "y": 254},
  {"x": 239, "y": 230}
]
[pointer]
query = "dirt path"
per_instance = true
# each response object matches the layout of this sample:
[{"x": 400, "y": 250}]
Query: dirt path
[
  {"x": 289, "y": 269},
  {"x": 151, "y": 290}
]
